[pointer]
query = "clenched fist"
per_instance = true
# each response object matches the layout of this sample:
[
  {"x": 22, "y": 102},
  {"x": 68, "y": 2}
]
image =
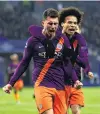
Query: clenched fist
[
  {"x": 78, "y": 84},
  {"x": 7, "y": 88},
  {"x": 90, "y": 75}
]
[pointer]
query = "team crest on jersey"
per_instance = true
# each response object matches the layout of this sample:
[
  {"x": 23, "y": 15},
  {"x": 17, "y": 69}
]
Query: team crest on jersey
[
  {"x": 75, "y": 43},
  {"x": 59, "y": 46}
]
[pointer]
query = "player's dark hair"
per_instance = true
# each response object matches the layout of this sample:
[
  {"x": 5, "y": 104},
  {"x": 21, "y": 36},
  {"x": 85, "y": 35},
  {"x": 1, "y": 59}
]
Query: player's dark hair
[
  {"x": 70, "y": 11},
  {"x": 50, "y": 12}
]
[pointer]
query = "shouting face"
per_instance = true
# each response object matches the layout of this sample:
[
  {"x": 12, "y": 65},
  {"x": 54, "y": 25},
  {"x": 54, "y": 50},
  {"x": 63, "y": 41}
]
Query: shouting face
[
  {"x": 70, "y": 25},
  {"x": 50, "y": 26}
]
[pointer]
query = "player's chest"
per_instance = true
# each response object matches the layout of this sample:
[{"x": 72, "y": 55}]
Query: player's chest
[
  {"x": 49, "y": 48},
  {"x": 74, "y": 44}
]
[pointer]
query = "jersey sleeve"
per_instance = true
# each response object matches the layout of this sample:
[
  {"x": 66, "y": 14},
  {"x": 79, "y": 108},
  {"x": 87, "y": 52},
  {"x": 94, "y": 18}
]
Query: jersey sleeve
[
  {"x": 74, "y": 76},
  {"x": 82, "y": 58}
]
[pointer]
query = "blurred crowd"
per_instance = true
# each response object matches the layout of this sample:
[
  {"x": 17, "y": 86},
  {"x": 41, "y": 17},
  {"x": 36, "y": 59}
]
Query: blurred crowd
[{"x": 17, "y": 16}]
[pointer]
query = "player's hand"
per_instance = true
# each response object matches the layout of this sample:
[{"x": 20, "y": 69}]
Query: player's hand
[
  {"x": 7, "y": 88},
  {"x": 78, "y": 84},
  {"x": 90, "y": 75}
]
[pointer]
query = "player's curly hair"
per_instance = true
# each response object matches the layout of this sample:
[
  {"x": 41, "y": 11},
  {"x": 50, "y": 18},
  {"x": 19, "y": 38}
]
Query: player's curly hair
[
  {"x": 50, "y": 12},
  {"x": 70, "y": 11}
]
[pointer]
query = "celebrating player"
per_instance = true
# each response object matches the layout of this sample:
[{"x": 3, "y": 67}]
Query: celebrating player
[{"x": 70, "y": 19}]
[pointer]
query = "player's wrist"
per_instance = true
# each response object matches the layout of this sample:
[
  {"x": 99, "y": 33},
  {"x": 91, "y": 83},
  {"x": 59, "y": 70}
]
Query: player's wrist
[
  {"x": 77, "y": 81},
  {"x": 9, "y": 86}
]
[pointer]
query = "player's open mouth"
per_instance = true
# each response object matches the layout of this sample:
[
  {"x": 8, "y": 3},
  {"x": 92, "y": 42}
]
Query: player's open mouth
[
  {"x": 72, "y": 30},
  {"x": 52, "y": 30}
]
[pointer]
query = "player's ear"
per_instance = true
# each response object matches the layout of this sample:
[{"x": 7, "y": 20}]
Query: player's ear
[
  {"x": 62, "y": 24},
  {"x": 42, "y": 23}
]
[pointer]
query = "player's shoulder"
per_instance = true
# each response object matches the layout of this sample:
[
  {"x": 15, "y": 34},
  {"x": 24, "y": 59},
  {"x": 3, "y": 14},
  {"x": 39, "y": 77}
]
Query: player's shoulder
[
  {"x": 80, "y": 38},
  {"x": 36, "y": 33},
  {"x": 30, "y": 40},
  {"x": 10, "y": 65},
  {"x": 65, "y": 38},
  {"x": 60, "y": 34},
  {"x": 35, "y": 30}
]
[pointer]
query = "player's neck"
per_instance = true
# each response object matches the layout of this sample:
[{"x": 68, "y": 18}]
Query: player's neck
[
  {"x": 15, "y": 62},
  {"x": 68, "y": 35}
]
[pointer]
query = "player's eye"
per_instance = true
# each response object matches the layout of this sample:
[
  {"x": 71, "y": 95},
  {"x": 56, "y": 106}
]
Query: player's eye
[
  {"x": 70, "y": 22},
  {"x": 53, "y": 23}
]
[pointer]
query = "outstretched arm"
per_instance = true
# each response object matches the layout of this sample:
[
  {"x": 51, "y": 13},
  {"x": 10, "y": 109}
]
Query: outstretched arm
[{"x": 21, "y": 67}]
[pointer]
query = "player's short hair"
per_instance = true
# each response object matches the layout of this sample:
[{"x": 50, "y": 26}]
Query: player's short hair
[
  {"x": 50, "y": 12},
  {"x": 13, "y": 56},
  {"x": 70, "y": 11}
]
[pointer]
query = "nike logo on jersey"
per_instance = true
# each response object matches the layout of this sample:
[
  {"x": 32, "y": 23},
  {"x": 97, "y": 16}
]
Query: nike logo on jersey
[{"x": 40, "y": 46}]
